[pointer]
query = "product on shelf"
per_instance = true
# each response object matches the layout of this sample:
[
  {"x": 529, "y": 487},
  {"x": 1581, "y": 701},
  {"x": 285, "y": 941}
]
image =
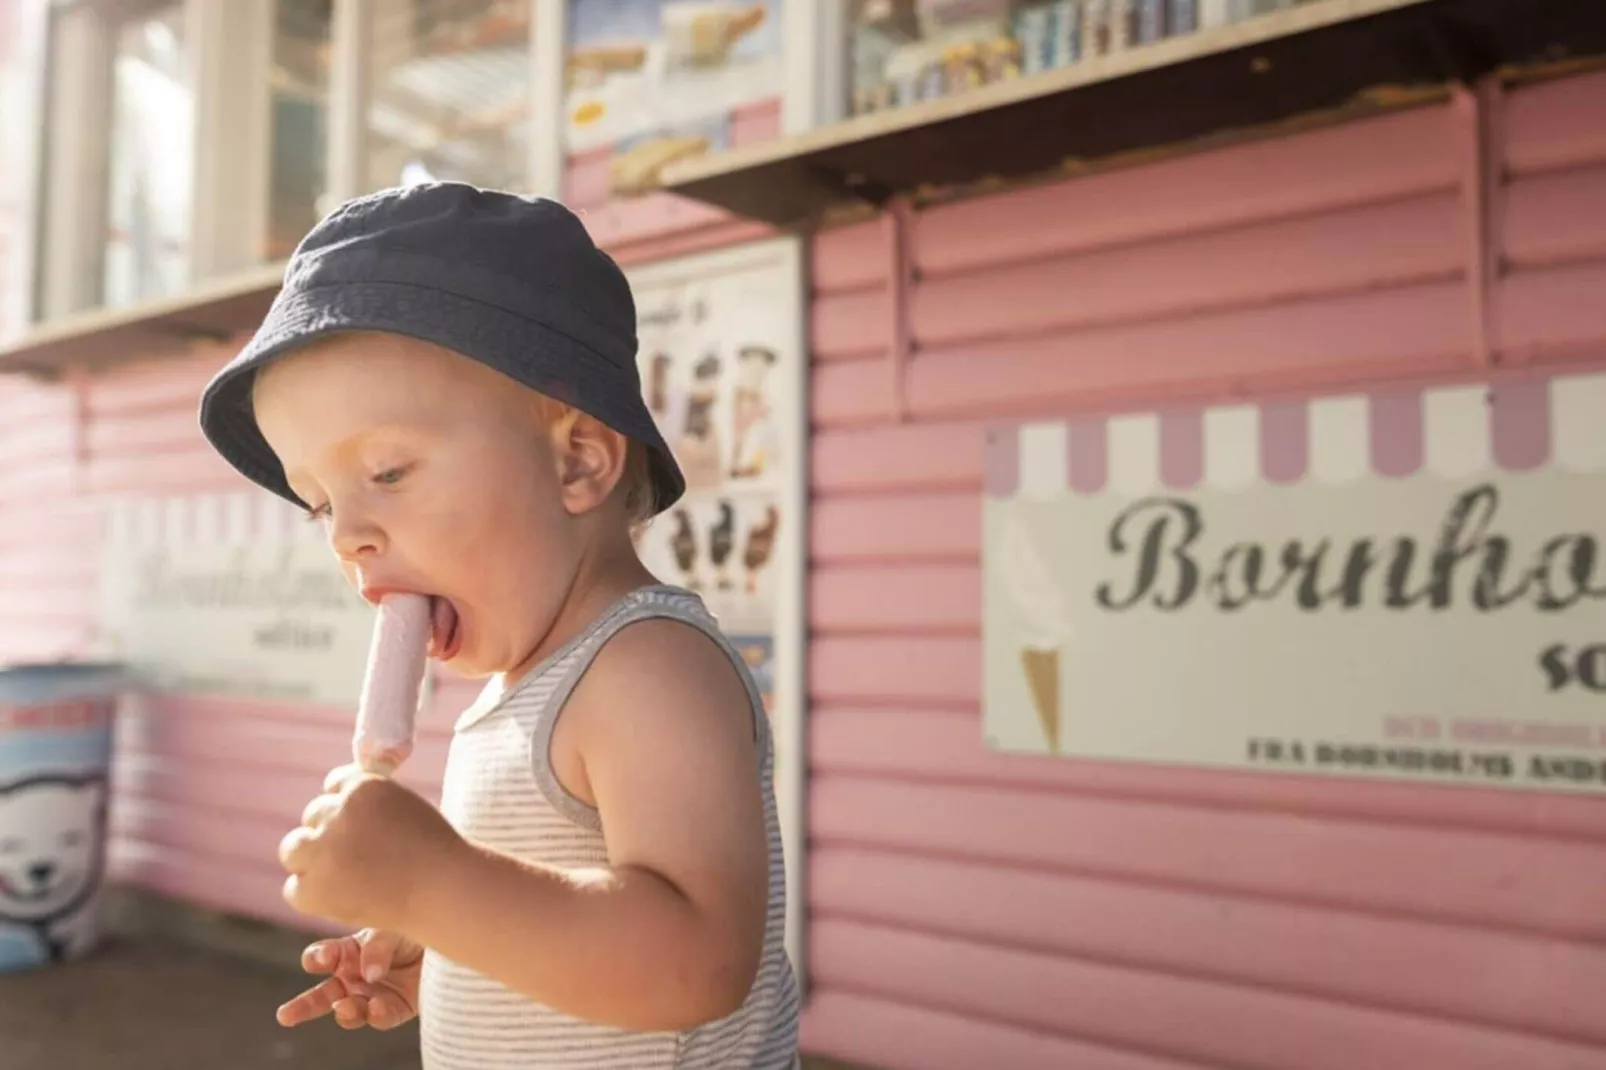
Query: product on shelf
[{"x": 905, "y": 51}]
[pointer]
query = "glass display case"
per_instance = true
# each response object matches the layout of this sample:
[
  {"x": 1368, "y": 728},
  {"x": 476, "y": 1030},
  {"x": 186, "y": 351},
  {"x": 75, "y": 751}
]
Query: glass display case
[
  {"x": 449, "y": 93},
  {"x": 649, "y": 82},
  {"x": 151, "y": 172},
  {"x": 299, "y": 92},
  {"x": 905, "y": 51}
]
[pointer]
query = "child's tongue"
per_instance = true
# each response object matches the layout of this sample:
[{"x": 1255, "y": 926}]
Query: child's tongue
[{"x": 443, "y": 627}]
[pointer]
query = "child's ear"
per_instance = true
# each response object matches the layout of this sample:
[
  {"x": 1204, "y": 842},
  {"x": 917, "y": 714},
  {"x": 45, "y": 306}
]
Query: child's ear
[{"x": 591, "y": 461}]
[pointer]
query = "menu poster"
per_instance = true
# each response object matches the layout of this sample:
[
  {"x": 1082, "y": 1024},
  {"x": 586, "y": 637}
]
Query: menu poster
[
  {"x": 713, "y": 355},
  {"x": 720, "y": 348},
  {"x": 649, "y": 82}
]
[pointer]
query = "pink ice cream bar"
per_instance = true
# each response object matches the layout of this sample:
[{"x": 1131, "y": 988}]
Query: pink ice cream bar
[{"x": 388, "y": 710}]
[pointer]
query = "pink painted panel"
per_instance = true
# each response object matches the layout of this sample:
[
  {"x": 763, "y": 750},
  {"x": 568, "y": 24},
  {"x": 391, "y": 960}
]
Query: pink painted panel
[
  {"x": 1387, "y": 244},
  {"x": 652, "y": 215},
  {"x": 1555, "y": 217},
  {"x": 870, "y": 1030},
  {"x": 1357, "y": 163},
  {"x": 1533, "y": 885},
  {"x": 906, "y": 599},
  {"x": 1556, "y": 124},
  {"x": 49, "y": 600},
  {"x": 889, "y": 527},
  {"x": 1428, "y": 968},
  {"x": 45, "y": 523},
  {"x": 936, "y": 669},
  {"x": 173, "y": 385},
  {"x": 24, "y": 640},
  {"x": 163, "y": 430},
  {"x": 204, "y": 729},
  {"x": 585, "y": 180},
  {"x": 58, "y": 564},
  {"x": 190, "y": 471},
  {"x": 247, "y": 840},
  {"x": 928, "y": 456},
  {"x": 852, "y": 392},
  {"x": 1553, "y": 312},
  {"x": 686, "y": 242},
  {"x": 756, "y": 122},
  {"x": 34, "y": 481},
  {"x": 850, "y": 324},
  {"x": 868, "y": 742},
  {"x": 24, "y": 442},
  {"x": 1404, "y": 330},
  {"x": 265, "y": 793},
  {"x": 1183, "y": 1017},
  {"x": 852, "y": 257},
  {"x": 24, "y": 400}
]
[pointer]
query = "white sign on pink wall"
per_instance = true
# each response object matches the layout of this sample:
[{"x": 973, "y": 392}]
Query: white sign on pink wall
[{"x": 1407, "y": 585}]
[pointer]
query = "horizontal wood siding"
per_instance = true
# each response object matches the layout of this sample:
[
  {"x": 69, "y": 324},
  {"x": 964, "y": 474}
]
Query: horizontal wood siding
[{"x": 974, "y": 909}]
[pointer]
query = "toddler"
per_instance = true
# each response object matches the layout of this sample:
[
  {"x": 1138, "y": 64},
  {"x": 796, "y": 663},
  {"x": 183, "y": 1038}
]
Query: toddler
[{"x": 447, "y": 382}]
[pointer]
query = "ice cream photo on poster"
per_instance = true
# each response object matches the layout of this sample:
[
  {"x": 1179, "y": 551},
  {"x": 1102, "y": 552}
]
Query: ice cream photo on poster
[{"x": 1039, "y": 609}]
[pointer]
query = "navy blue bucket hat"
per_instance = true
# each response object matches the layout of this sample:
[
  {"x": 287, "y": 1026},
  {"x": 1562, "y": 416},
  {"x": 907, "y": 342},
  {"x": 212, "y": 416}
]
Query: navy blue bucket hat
[{"x": 513, "y": 282}]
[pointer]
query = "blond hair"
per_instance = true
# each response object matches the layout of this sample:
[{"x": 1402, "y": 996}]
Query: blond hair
[{"x": 635, "y": 488}]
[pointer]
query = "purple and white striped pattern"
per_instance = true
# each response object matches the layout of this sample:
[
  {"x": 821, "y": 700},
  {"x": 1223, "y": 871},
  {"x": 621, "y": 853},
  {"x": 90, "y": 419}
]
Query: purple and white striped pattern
[{"x": 1452, "y": 431}]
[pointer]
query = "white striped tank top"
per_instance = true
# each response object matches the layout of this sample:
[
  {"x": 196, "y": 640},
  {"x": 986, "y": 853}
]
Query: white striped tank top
[{"x": 501, "y": 791}]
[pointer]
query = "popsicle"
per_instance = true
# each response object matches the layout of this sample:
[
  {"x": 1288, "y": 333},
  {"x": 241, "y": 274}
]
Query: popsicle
[{"x": 388, "y": 708}]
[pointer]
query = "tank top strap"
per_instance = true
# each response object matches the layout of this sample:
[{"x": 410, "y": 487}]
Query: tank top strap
[{"x": 647, "y": 603}]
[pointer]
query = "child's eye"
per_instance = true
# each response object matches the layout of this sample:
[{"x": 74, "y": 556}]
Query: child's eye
[
  {"x": 390, "y": 477},
  {"x": 317, "y": 513}
]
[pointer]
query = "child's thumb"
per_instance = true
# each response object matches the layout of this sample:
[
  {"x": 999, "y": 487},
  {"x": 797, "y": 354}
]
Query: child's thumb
[{"x": 378, "y": 950}]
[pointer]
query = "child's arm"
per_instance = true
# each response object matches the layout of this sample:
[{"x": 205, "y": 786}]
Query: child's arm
[{"x": 670, "y": 935}]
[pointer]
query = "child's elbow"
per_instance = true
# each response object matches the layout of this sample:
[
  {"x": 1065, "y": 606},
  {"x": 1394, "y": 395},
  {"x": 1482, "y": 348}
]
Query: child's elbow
[{"x": 724, "y": 984}]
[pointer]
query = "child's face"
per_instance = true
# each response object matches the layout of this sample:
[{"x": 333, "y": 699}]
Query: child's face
[{"x": 436, "y": 475}]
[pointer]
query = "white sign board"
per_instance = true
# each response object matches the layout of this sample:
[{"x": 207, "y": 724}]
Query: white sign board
[
  {"x": 1409, "y": 585},
  {"x": 234, "y": 595}
]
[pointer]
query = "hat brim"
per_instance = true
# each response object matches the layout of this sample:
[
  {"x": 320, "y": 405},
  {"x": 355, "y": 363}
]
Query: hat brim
[{"x": 527, "y": 351}]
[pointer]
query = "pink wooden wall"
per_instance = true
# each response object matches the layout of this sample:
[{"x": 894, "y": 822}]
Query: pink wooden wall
[
  {"x": 967, "y": 909},
  {"x": 970, "y": 909}
]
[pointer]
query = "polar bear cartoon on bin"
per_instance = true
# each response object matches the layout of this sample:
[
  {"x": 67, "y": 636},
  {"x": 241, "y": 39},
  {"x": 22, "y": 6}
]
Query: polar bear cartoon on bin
[{"x": 52, "y": 854}]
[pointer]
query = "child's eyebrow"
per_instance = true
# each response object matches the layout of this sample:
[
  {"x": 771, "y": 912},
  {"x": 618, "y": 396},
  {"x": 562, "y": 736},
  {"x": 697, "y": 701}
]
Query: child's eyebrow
[{"x": 348, "y": 448}]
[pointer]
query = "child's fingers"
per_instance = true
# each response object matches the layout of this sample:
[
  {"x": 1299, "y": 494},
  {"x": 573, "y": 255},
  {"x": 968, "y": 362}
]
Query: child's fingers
[
  {"x": 351, "y": 1013},
  {"x": 326, "y": 956},
  {"x": 387, "y": 1010},
  {"x": 377, "y": 950},
  {"x": 314, "y": 1003}
]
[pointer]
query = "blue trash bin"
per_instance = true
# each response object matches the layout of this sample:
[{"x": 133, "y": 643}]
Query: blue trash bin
[{"x": 55, "y": 754}]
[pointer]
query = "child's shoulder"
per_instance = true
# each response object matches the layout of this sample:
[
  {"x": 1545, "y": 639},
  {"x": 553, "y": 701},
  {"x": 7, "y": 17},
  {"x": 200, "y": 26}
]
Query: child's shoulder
[
  {"x": 663, "y": 737},
  {"x": 670, "y": 664}
]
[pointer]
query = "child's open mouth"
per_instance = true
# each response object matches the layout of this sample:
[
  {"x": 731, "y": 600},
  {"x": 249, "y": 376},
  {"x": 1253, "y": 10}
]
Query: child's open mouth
[{"x": 445, "y": 633}]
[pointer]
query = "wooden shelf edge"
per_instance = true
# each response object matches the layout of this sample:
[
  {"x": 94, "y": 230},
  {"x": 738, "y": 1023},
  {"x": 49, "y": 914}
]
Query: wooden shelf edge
[
  {"x": 1333, "y": 56},
  {"x": 214, "y": 310},
  {"x": 1132, "y": 61}
]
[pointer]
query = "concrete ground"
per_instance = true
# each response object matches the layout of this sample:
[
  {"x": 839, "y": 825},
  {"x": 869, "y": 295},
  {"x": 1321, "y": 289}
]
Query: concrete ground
[
  {"x": 149, "y": 1003},
  {"x": 175, "y": 986}
]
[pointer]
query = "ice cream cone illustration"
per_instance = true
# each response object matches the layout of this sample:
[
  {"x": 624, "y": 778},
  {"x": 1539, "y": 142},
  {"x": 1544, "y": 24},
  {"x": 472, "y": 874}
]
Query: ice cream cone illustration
[
  {"x": 1043, "y": 678},
  {"x": 1040, "y": 615}
]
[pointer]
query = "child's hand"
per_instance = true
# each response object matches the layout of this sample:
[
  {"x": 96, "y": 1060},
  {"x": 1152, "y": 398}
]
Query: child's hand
[
  {"x": 363, "y": 849},
  {"x": 373, "y": 981}
]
